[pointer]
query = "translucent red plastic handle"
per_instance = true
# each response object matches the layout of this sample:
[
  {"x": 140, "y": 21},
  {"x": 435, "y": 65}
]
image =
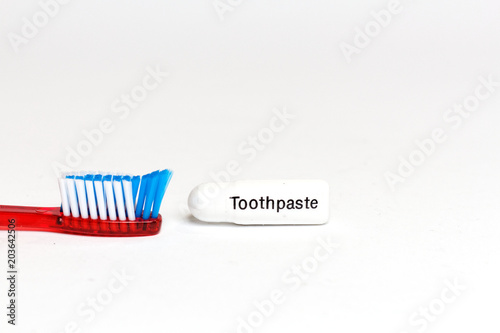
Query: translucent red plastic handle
[{"x": 52, "y": 220}]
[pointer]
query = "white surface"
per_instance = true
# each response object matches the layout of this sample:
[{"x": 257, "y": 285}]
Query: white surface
[{"x": 396, "y": 249}]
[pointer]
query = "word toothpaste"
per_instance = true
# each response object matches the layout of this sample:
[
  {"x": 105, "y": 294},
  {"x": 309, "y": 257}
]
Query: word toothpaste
[
  {"x": 262, "y": 202},
  {"x": 268, "y": 203}
]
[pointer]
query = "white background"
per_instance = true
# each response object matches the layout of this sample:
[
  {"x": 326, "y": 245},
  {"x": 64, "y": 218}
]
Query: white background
[{"x": 353, "y": 121}]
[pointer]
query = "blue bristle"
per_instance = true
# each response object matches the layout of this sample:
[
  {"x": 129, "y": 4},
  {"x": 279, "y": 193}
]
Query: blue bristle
[
  {"x": 142, "y": 195},
  {"x": 164, "y": 180},
  {"x": 135, "y": 186},
  {"x": 128, "y": 179},
  {"x": 107, "y": 178},
  {"x": 150, "y": 194},
  {"x": 91, "y": 177},
  {"x": 98, "y": 179}
]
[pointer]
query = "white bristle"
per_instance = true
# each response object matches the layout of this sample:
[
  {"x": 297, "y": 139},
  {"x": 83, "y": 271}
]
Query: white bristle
[
  {"x": 120, "y": 206},
  {"x": 89, "y": 185},
  {"x": 64, "y": 197},
  {"x": 82, "y": 198},
  {"x": 110, "y": 199},
  {"x": 73, "y": 200},
  {"x": 129, "y": 200},
  {"x": 101, "y": 199}
]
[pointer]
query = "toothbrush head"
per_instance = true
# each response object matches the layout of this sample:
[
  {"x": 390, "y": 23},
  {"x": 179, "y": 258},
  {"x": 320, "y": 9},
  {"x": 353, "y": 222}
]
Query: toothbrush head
[{"x": 112, "y": 204}]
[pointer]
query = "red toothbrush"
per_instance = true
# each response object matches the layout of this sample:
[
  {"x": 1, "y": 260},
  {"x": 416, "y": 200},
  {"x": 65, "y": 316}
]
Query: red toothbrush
[{"x": 97, "y": 205}]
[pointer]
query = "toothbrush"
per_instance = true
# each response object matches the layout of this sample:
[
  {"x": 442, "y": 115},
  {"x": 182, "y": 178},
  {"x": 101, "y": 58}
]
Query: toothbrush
[{"x": 97, "y": 205}]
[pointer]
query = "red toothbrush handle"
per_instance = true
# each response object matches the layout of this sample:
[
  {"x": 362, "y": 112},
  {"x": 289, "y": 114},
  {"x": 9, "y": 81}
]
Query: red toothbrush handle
[{"x": 52, "y": 220}]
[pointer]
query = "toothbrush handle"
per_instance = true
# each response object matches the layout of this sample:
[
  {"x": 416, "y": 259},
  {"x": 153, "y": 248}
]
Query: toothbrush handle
[
  {"x": 52, "y": 220},
  {"x": 28, "y": 218}
]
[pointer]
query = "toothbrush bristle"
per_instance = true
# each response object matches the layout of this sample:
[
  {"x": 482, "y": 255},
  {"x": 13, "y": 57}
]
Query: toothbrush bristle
[{"x": 111, "y": 197}]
